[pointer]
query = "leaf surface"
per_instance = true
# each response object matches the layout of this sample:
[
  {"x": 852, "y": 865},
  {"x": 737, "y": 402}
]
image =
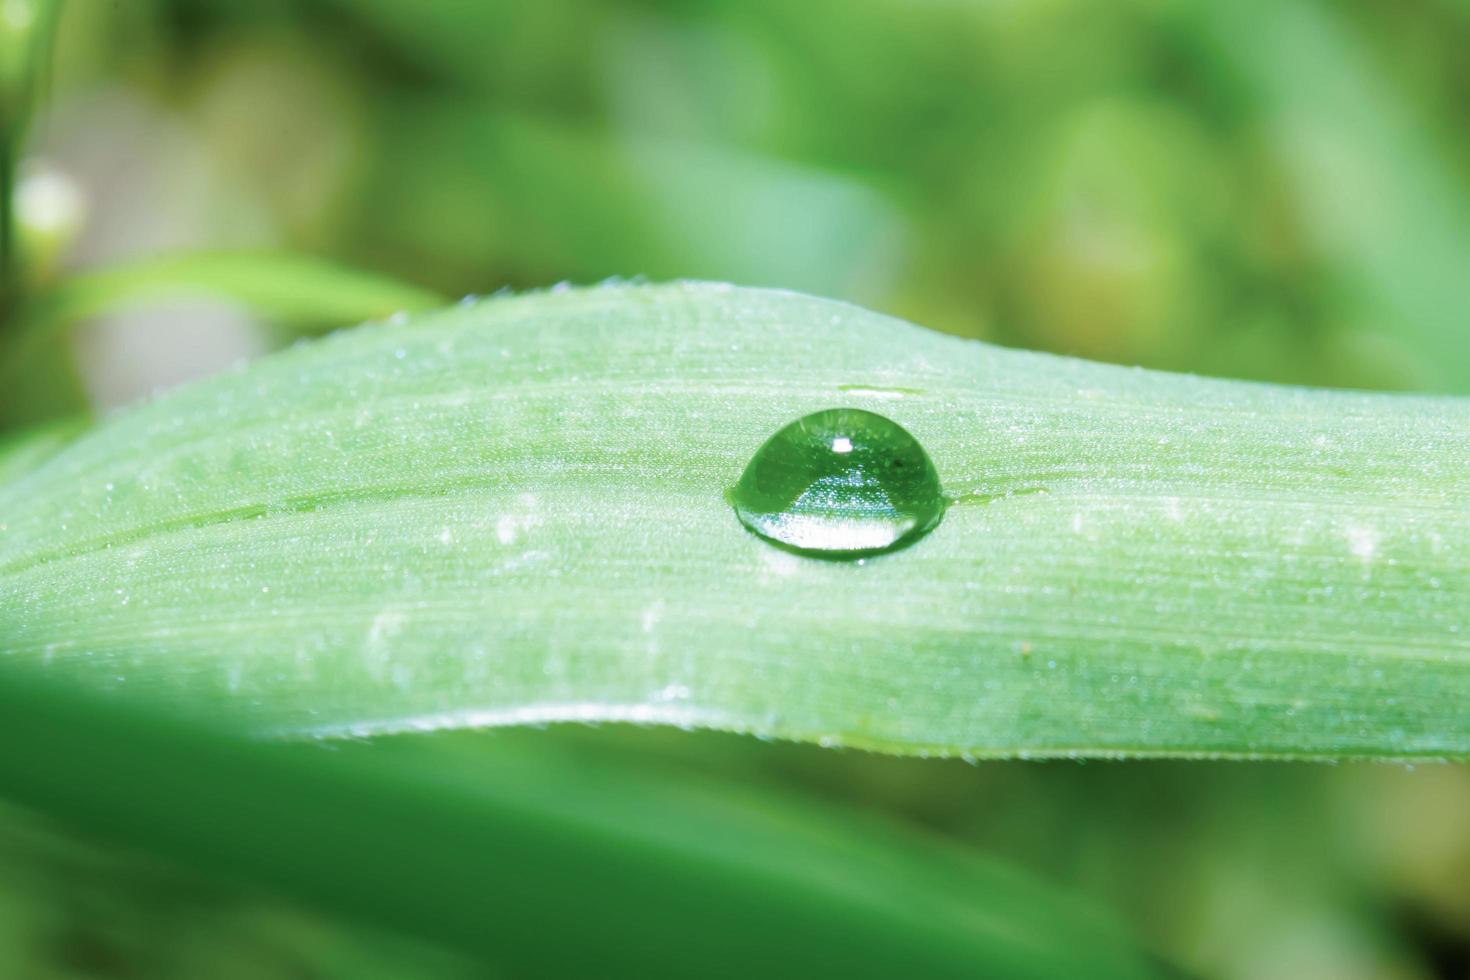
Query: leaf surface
[{"x": 514, "y": 513}]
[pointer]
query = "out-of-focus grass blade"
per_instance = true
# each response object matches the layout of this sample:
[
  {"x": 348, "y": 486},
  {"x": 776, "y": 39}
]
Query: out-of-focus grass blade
[
  {"x": 545, "y": 865},
  {"x": 1371, "y": 184},
  {"x": 297, "y": 291},
  {"x": 490, "y": 43},
  {"x": 533, "y": 194},
  {"x": 290, "y": 288},
  {"x": 514, "y": 513}
]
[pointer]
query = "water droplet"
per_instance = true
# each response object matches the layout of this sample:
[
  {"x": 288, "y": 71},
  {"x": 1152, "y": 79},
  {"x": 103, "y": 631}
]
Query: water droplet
[{"x": 841, "y": 483}]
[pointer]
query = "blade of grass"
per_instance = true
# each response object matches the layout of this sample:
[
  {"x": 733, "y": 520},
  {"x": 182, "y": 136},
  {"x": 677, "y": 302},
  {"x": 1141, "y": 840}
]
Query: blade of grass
[
  {"x": 514, "y": 513},
  {"x": 1374, "y": 189},
  {"x": 656, "y": 207},
  {"x": 26, "y": 28},
  {"x": 297, "y": 290},
  {"x": 544, "y": 865}
]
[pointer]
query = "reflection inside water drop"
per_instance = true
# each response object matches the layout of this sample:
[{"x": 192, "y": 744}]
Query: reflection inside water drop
[{"x": 840, "y": 483}]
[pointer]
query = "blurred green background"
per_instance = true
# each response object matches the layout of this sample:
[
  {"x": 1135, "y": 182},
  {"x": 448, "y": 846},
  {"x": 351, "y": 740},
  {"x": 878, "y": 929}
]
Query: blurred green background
[{"x": 1254, "y": 189}]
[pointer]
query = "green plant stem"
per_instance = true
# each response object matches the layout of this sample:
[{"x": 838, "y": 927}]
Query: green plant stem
[
  {"x": 10, "y": 273},
  {"x": 25, "y": 46}
]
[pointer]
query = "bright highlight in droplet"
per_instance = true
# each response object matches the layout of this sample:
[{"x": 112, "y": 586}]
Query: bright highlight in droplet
[{"x": 841, "y": 483}]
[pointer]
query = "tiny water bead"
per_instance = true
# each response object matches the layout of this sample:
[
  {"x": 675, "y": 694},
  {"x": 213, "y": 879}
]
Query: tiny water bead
[{"x": 840, "y": 483}]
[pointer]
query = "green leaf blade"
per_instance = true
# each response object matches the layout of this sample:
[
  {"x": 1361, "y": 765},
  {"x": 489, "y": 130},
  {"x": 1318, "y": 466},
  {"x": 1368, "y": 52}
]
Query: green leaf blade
[
  {"x": 540, "y": 862},
  {"x": 299, "y": 290},
  {"x": 515, "y": 513}
]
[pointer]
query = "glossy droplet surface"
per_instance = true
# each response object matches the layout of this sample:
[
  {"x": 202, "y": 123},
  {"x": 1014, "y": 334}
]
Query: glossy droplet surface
[{"x": 841, "y": 483}]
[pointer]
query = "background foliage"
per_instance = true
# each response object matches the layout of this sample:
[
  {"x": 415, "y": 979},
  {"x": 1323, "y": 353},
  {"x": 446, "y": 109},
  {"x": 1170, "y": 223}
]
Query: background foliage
[{"x": 1248, "y": 189}]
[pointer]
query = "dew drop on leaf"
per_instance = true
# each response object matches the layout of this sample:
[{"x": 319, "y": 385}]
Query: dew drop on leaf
[{"x": 840, "y": 483}]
